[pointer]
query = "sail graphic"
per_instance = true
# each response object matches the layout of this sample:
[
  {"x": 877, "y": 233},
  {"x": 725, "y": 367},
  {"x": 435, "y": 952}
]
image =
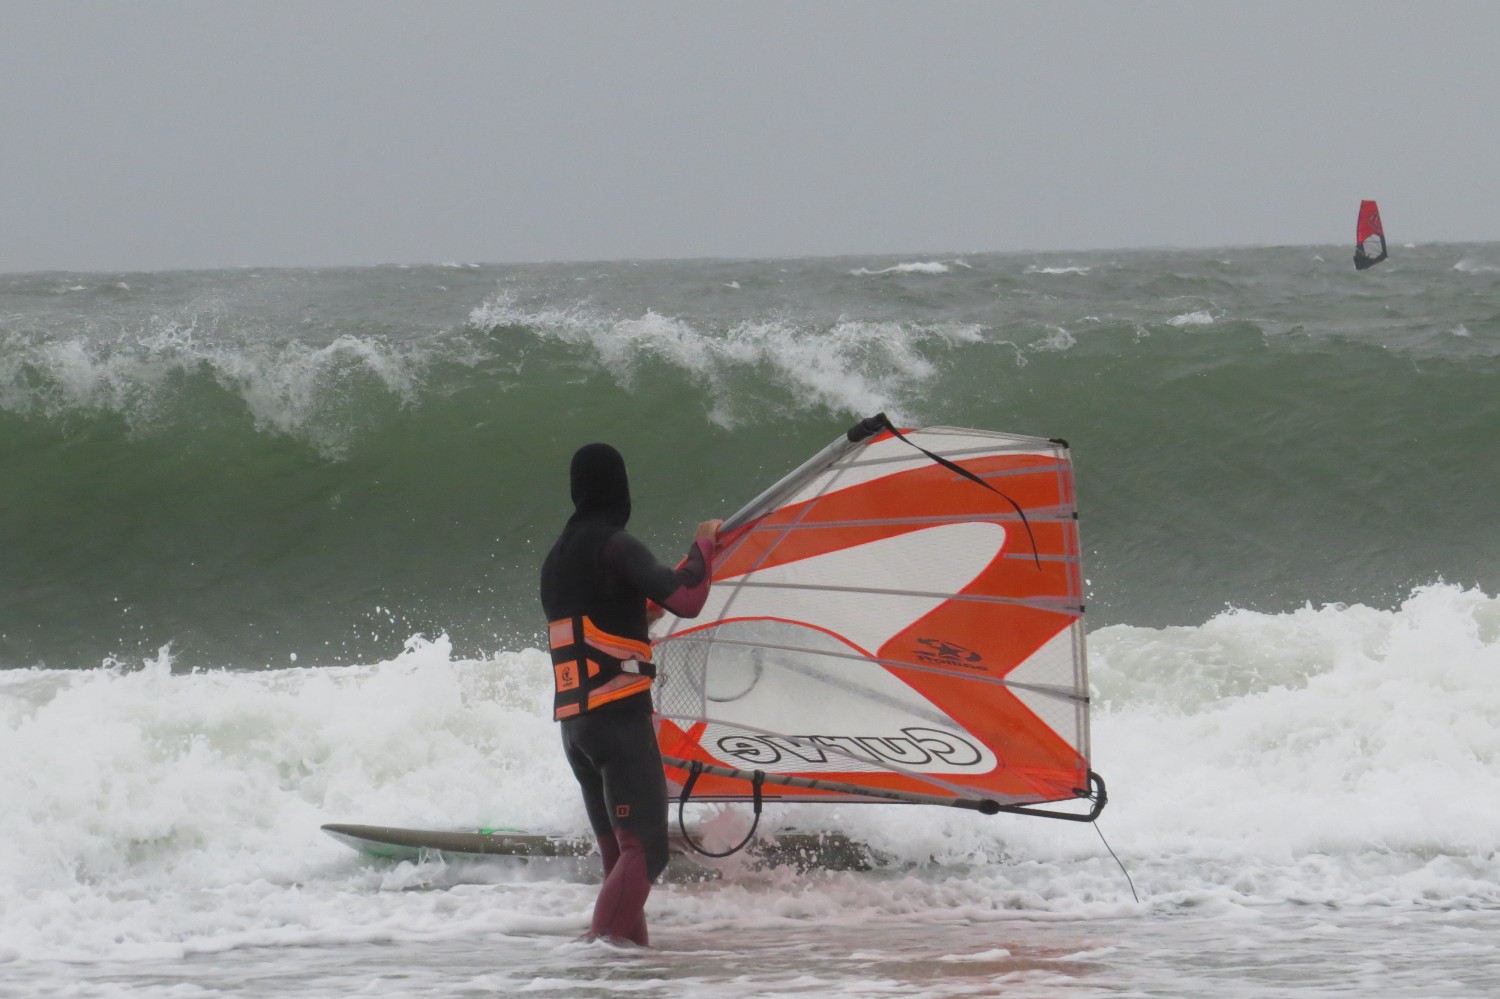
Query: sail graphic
[
  {"x": 1369, "y": 237},
  {"x": 899, "y": 619}
]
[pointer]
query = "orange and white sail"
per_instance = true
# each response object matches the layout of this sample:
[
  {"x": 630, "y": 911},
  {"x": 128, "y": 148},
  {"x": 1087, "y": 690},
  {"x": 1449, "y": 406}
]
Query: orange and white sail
[{"x": 898, "y": 619}]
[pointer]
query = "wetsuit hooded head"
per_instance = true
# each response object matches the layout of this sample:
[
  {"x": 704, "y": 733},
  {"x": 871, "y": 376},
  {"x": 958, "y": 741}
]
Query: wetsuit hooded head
[{"x": 599, "y": 486}]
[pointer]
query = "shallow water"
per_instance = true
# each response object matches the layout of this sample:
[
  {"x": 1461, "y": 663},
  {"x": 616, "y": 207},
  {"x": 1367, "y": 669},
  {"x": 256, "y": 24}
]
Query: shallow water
[{"x": 1290, "y": 951}]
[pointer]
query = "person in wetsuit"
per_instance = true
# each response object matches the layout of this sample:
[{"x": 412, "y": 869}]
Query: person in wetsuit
[{"x": 595, "y": 585}]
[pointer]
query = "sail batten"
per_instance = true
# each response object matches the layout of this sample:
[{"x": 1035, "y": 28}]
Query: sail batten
[
  {"x": 1062, "y": 693},
  {"x": 1041, "y": 603},
  {"x": 1037, "y": 516}
]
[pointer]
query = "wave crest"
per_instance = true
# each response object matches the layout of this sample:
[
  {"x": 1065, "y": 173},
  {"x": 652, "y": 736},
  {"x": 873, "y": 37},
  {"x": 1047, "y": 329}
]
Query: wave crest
[
  {"x": 853, "y": 366},
  {"x": 920, "y": 267},
  {"x": 286, "y": 386}
]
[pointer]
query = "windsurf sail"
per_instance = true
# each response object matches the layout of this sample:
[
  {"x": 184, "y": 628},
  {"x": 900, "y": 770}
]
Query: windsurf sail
[
  {"x": 1369, "y": 237},
  {"x": 898, "y": 619}
]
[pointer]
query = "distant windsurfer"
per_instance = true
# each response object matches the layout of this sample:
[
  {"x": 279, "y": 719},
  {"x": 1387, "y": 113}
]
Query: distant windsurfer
[
  {"x": 1368, "y": 227},
  {"x": 595, "y": 585}
]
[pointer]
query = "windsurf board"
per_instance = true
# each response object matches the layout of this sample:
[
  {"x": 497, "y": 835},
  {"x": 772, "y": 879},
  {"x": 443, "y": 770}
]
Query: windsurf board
[{"x": 829, "y": 851}]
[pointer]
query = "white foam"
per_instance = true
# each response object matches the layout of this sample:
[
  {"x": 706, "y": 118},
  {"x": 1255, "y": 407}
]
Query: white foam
[
  {"x": 1335, "y": 756},
  {"x": 1367, "y": 738},
  {"x": 1201, "y": 317},
  {"x": 1469, "y": 265},
  {"x": 1057, "y": 339},
  {"x": 138, "y": 798},
  {"x": 1056, "y": 270},
  {"x": 924, "y": 267}
]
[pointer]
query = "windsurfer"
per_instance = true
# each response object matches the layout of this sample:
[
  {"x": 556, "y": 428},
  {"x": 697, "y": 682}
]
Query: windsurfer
[
  {"x": 1367, "y": 228},
  {"x": 595, "y": 584}
]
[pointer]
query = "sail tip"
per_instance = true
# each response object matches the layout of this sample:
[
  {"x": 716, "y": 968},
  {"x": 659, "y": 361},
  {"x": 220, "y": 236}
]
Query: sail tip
[{"x": 868, "y": 427}]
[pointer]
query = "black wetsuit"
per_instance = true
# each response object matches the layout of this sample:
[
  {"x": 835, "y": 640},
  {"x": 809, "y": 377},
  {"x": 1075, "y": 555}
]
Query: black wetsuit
[{"x": 600, "y": 576}]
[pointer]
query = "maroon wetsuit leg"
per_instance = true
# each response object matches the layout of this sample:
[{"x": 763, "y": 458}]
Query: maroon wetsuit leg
[
  {"x": 620, "y": 912},
  {"x": 609, "y": 852}
]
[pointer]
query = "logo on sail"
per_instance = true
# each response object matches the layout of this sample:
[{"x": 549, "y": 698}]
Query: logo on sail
[
  {"x": 945, "y": 653},
  {"x": 928, "y": 749}
]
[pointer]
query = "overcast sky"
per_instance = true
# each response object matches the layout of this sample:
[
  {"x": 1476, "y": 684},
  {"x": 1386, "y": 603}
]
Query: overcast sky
[{"x": 144, "y": 136}]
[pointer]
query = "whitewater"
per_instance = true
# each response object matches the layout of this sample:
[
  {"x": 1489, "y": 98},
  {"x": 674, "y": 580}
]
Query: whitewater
[
  {"x": 257, "y": 580},
  {"x": 1304, "y": 803}
]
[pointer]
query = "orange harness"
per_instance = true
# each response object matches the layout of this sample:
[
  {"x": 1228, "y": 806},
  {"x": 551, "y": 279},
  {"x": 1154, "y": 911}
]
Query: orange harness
[{"x": 593, "y": 667}]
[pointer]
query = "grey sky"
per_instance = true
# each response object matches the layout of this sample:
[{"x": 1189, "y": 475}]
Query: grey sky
[{"x": 164, "y": 135}]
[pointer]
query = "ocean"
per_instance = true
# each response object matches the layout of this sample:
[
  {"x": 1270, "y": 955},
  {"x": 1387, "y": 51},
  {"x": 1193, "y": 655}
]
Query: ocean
[{"x": 269, "y": 542}]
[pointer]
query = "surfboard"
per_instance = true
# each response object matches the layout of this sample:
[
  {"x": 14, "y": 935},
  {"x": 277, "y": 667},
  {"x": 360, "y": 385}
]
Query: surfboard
[
  {"x": 395, "y": 843},
  {"x": 827, "y": 851}
]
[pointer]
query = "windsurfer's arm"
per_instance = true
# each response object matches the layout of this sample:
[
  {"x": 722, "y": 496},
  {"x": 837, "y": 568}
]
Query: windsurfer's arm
[
  {"x": 683, "y": 590},
  {"x": 688, "y": 599}
]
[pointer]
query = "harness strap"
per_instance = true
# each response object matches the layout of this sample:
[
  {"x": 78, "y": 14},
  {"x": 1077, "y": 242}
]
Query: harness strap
[
  {"x": 695, "y": 768},
  {"x": 592, "y": 667}
]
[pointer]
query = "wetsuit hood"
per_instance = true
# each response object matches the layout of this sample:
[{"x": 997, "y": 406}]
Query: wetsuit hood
[{"x": 599, "y": 486}]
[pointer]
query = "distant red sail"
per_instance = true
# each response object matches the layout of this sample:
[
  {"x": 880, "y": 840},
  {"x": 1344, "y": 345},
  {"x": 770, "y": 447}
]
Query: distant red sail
[
  {"x": 1369, "y": 237},
  {"x": 1369, "y": 222}
]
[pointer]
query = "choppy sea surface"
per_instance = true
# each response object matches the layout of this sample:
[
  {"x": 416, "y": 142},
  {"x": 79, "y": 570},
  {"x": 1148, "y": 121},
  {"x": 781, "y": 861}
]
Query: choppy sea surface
[{"x": 268, "y": 551}]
